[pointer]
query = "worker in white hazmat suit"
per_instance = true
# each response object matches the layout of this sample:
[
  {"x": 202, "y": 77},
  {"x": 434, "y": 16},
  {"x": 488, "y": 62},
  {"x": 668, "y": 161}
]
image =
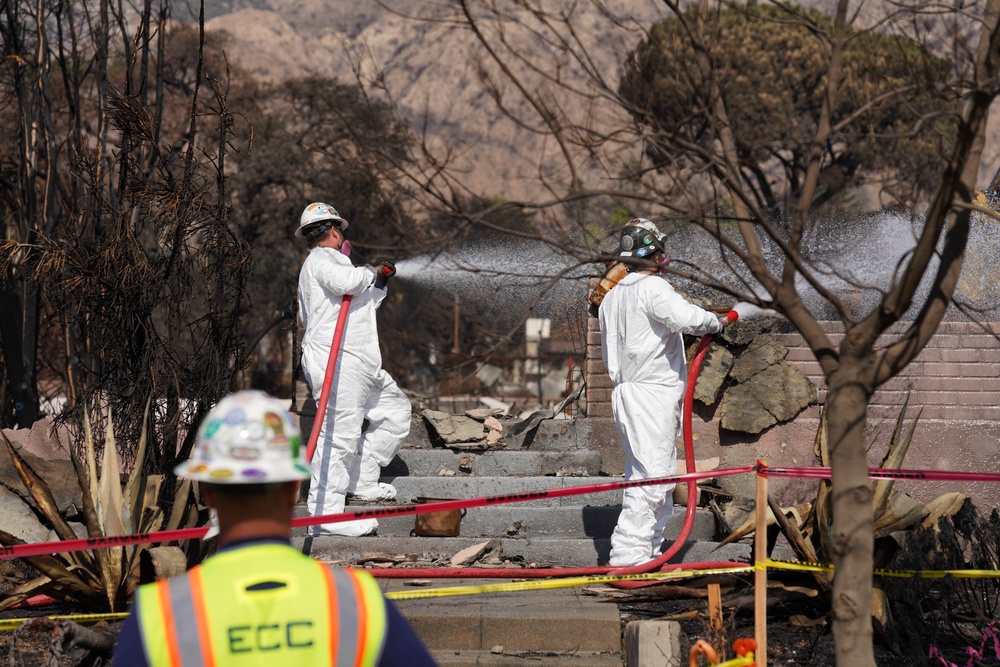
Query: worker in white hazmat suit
[
  {"x": 642, "y": 319},
  {"x": 348, "y": 459}
]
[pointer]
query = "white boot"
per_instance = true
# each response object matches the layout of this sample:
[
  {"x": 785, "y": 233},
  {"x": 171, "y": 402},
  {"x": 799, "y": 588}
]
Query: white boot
[
  {"x": 364, "y": 483},
  {"x": 358, "y": 528}
]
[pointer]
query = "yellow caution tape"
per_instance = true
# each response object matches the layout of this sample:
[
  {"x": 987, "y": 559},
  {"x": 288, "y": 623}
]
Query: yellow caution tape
[
  {"x": 921, "y": 574},
  {"x": 940, "y": 574},
  {"x": 566, "y": 582},
  {"x": 14, "y": 623},
  {"x": 798, "y": 566}
]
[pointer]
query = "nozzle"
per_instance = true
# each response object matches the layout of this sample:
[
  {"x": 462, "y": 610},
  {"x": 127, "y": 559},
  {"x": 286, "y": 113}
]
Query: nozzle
[{"x": 732, "y": 316}]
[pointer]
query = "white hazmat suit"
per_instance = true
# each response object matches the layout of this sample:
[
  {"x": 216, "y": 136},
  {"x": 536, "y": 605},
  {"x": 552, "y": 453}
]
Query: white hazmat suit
[
  {"x": 642, "y": 319},
  {"x": 346, "y": 459}
]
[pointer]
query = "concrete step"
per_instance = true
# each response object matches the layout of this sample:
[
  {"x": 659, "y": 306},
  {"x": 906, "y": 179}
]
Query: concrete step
[
  {"x": 500, "y": 463},
  {"x": 410, "y": 488},
  {"x": 467, "y": 627},
  {"x": 579, "y": 522},
  {"x": 542, "y": 551}
]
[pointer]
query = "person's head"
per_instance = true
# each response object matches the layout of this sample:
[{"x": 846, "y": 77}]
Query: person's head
[
  {"x": 321, "y": 224},
  {"x": 249, "y": 458}
]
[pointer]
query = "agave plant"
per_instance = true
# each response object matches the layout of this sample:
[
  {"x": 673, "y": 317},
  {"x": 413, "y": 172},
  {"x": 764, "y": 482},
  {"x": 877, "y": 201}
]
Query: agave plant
[
  {"x": 808, "y": 526},
  {"x": 103, "y": 579}
]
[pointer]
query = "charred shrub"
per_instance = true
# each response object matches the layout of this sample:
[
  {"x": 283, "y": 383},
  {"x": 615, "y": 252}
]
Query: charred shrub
[{"x": 950, "y": 613}]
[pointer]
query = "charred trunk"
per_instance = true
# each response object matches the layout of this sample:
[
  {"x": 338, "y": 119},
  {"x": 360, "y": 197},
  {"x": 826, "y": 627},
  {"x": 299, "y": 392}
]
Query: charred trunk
[{"x": 853, "y": 521}]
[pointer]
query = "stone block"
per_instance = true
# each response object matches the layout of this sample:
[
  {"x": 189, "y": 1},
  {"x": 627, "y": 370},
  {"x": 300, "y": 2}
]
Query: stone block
[
  {"x": 716, "y": 366},
  {"x": 762, "y": 353},
  {"x": 655, "y": 644}
]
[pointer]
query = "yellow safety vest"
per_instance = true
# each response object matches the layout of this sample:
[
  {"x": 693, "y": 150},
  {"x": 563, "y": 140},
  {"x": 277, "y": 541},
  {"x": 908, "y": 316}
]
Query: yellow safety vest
[{"x": 263, "y": 605}]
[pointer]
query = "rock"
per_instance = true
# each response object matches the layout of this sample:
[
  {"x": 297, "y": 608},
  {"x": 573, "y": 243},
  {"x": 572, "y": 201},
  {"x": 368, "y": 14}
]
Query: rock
[
  {"x": 469, "y": 554},
  {"x": 78, "y": 529},
  {"x": 418, "y": 582},
  {"x": 742, "y": 332},
  {"x": 45, "y": 439},
  {"x": 452, "y": 429},
  {"x": 791, "y": 391},
  {"x": 161, "y": 562},
  {"x": 493, "y": 424},
  {"x": 59, "y": 476},
  {"x": 714, "y": 369},
  {"x": 777, "y": 393},
  {"x": 762, "y": 352},
  {"x": 741, "y": 411},
  {"x": 480, "y": 414},
  {"x": 17, "y": 519}
]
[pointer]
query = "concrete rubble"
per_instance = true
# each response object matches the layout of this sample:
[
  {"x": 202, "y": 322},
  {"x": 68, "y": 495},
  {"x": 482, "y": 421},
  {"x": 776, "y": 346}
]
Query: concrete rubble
[{"x": 462, "y": 431}]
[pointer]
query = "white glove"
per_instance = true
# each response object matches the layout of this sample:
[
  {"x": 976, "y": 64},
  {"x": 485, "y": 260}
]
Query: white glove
[{"x": 213, "y": 524}]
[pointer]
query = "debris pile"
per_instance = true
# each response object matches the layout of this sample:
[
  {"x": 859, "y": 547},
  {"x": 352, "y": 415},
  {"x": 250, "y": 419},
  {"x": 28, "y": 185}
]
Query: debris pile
[{"x": 475, "y": 430}]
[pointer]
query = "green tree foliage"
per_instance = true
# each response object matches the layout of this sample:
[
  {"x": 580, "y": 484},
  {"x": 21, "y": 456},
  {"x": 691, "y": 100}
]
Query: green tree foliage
[{"x": 892, "y": 109}]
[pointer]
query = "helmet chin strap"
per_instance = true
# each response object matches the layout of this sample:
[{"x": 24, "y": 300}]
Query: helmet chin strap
[{"x": 313, "y": 231}]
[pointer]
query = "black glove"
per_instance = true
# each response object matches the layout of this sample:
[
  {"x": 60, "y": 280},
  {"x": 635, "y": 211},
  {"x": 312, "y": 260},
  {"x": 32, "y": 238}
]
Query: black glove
[{"x": 384, "y": 271}]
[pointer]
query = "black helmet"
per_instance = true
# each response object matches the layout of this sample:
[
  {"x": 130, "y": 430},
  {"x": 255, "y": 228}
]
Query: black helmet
[{"x": 639, "y": 242}]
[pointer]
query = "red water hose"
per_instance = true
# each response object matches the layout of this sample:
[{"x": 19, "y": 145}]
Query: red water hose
[
  {"x": 331, "y": 368},
  {"x": 659, "y": 563}
]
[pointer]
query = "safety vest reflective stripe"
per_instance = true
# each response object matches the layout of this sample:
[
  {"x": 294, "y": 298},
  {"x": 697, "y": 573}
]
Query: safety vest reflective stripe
[
  {"x": 167, "y": 610},
  {"x": 347, "y": 621},
  {"x": 188, "y": 630},
  {"x": 344, "y": 643},
  {"x": 374, "y": 620},
  {"x": 331, "y": 605},
  {"x": 359, "y": 629}
]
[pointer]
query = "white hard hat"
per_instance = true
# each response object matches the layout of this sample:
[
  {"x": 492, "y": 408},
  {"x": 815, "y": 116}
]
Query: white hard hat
[
  {"x": 648, "y": 225},
  {"x": 247, "y": 438},
  {"x": 318, "y": 212}
]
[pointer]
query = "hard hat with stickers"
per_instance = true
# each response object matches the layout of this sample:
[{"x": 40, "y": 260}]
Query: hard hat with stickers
[{"x": 249, "y": 437}]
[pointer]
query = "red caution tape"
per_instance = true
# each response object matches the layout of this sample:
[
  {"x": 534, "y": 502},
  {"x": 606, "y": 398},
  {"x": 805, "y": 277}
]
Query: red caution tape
[
  {"x": 815, "y": 472},
  {"x": 24, "y": 550}
]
